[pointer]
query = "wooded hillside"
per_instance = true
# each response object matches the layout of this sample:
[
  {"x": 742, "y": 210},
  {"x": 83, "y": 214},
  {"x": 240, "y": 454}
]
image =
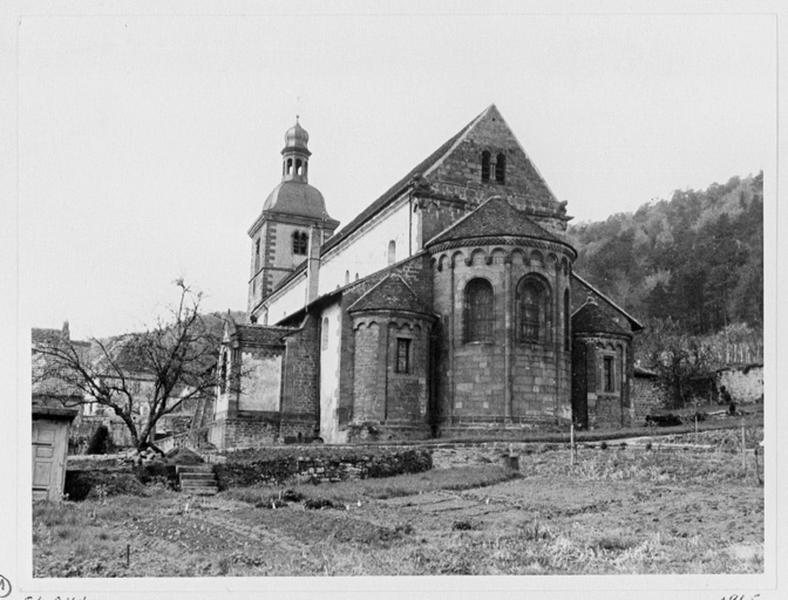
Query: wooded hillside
[{"x": 696, "y": 258}]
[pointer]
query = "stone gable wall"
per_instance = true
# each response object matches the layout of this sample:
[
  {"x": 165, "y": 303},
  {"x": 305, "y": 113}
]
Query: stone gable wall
[{"x": 460, "y": 173}]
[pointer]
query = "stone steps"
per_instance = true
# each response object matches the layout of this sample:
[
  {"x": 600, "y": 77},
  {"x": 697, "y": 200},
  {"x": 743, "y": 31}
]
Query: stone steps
[{"x": 197, "y": 480}]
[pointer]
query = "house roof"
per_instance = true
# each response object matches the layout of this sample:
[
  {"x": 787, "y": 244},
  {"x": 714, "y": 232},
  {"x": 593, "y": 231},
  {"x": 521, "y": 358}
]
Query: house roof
[
  {"x": 54, "y": 413},
  {"x": 46, "y": 336},
  {"x": 264, "y": 335},
  {"x": 390, "y": 293},
  {"x": 496, "y": 216},
  {"x": 644, "y": 372},
  {"x": 589, "y": 318}
]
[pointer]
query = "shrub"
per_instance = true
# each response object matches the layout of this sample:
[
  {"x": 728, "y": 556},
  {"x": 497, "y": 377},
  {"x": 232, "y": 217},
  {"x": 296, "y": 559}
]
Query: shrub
[
  {"x": 100, "y": 484},
  {"x": 156, "y": 472},
  {"x": 100, "y": 441},
  {"x": 318, "y": 503}
]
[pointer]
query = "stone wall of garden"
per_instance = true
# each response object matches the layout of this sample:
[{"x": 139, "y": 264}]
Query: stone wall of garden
[{"x": 277, "y": 465}]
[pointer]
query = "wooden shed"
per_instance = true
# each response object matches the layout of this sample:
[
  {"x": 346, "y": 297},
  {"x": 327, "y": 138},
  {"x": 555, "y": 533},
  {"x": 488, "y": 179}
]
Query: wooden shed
[{"x": 50, "y": 447}]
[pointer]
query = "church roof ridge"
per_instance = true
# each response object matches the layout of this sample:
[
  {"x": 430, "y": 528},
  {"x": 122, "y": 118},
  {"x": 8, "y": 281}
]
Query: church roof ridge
[{"x": 389, "y": 195}]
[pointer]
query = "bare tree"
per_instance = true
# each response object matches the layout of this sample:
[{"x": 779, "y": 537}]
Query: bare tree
[{"x": 177, "y": 357}]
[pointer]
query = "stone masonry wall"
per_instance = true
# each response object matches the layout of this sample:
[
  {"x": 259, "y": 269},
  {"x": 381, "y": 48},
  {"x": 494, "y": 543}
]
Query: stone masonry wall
[
  {"x": 301, "y": 364},
  {"x": 472, "y": 376},
  {"x": 744, "y": 384},
  {"x": 300, "y": 466},
  {"x": 242, "y": 432},
  {"x": 647, "y": 397}
]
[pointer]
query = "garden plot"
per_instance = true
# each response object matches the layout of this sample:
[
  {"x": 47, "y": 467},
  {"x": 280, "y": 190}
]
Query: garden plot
[{"x": 617, "y": 510}]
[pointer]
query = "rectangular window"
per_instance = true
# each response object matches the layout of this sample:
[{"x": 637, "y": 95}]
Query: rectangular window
[
  {"x": 403, "y": 355},
  {"x": 607, "y": 375},
  {"x": 257, "y": 254}
]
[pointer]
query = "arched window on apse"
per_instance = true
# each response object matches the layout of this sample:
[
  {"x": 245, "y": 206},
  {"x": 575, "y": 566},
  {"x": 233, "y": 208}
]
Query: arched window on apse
[
  {"x": 533, "y": 310},
  {"x": 479, "y": 314}
]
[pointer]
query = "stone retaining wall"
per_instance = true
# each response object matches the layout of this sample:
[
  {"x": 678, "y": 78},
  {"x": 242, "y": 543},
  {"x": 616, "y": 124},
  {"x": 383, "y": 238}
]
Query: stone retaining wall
[{"x": 303, "y": 466}]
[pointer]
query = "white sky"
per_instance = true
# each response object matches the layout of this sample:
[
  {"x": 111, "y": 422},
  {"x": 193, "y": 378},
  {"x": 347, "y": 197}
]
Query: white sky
[{"x": 147, "y": 144}]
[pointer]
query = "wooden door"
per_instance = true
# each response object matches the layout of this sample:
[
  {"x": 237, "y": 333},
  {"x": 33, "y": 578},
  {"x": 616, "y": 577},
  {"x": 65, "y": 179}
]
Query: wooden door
[{"x": 49, "y": 456}]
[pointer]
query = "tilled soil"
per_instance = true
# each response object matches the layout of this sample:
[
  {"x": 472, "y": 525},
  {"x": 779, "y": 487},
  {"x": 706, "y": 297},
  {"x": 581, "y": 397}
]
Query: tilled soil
[{"x": 549, "y": 521}]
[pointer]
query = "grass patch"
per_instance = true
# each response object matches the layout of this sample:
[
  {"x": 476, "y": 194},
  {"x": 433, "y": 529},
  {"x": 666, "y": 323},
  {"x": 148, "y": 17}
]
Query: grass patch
[{"x": 348, "y": 492}]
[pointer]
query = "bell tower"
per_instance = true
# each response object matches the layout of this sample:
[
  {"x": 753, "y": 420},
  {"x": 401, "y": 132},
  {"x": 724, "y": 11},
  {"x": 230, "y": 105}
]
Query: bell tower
[{"x": 293, "y": 213}]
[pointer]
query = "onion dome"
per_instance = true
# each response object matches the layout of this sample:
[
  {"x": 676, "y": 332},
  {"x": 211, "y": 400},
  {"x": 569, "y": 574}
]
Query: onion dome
[{"x": 296, "y": 138}]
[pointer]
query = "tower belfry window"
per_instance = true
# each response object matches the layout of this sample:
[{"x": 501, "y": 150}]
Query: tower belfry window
[{"x": 300, "y": 242}]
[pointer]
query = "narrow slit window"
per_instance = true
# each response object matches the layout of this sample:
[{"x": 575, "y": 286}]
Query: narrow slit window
[
  {"x": 485, "y": 166},
  {"x": 403, "y": 355},
  {"x": 608, "y": 374},
  {"x": 392, "y": 251},
  {"x": 500, "y": 168}
]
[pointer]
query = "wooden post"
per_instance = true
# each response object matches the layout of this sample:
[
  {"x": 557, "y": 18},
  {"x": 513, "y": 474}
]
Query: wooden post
[
  {"x": 128, "y": 554},
  {"x": 743, "y": 450},
  {"x": 572, "y": 443},
  {"x": 696, "y": 427}
]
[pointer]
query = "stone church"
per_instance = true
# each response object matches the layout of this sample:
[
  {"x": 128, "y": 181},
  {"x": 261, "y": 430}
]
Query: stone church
[{"x": 449, "y": 307}]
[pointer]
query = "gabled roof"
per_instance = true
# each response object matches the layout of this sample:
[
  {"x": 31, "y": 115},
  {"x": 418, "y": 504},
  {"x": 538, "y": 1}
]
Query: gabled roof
[
  {"x": 264, "y": 335},
  {"x": 395, "y": 190},
  {"x": 633, "y": 322},
  {"x": 496, "y": 216},
  {"x": 390, "y": 293},
  {"x": 589, "y": 318},
  {"x": 258, "y": 335}
]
